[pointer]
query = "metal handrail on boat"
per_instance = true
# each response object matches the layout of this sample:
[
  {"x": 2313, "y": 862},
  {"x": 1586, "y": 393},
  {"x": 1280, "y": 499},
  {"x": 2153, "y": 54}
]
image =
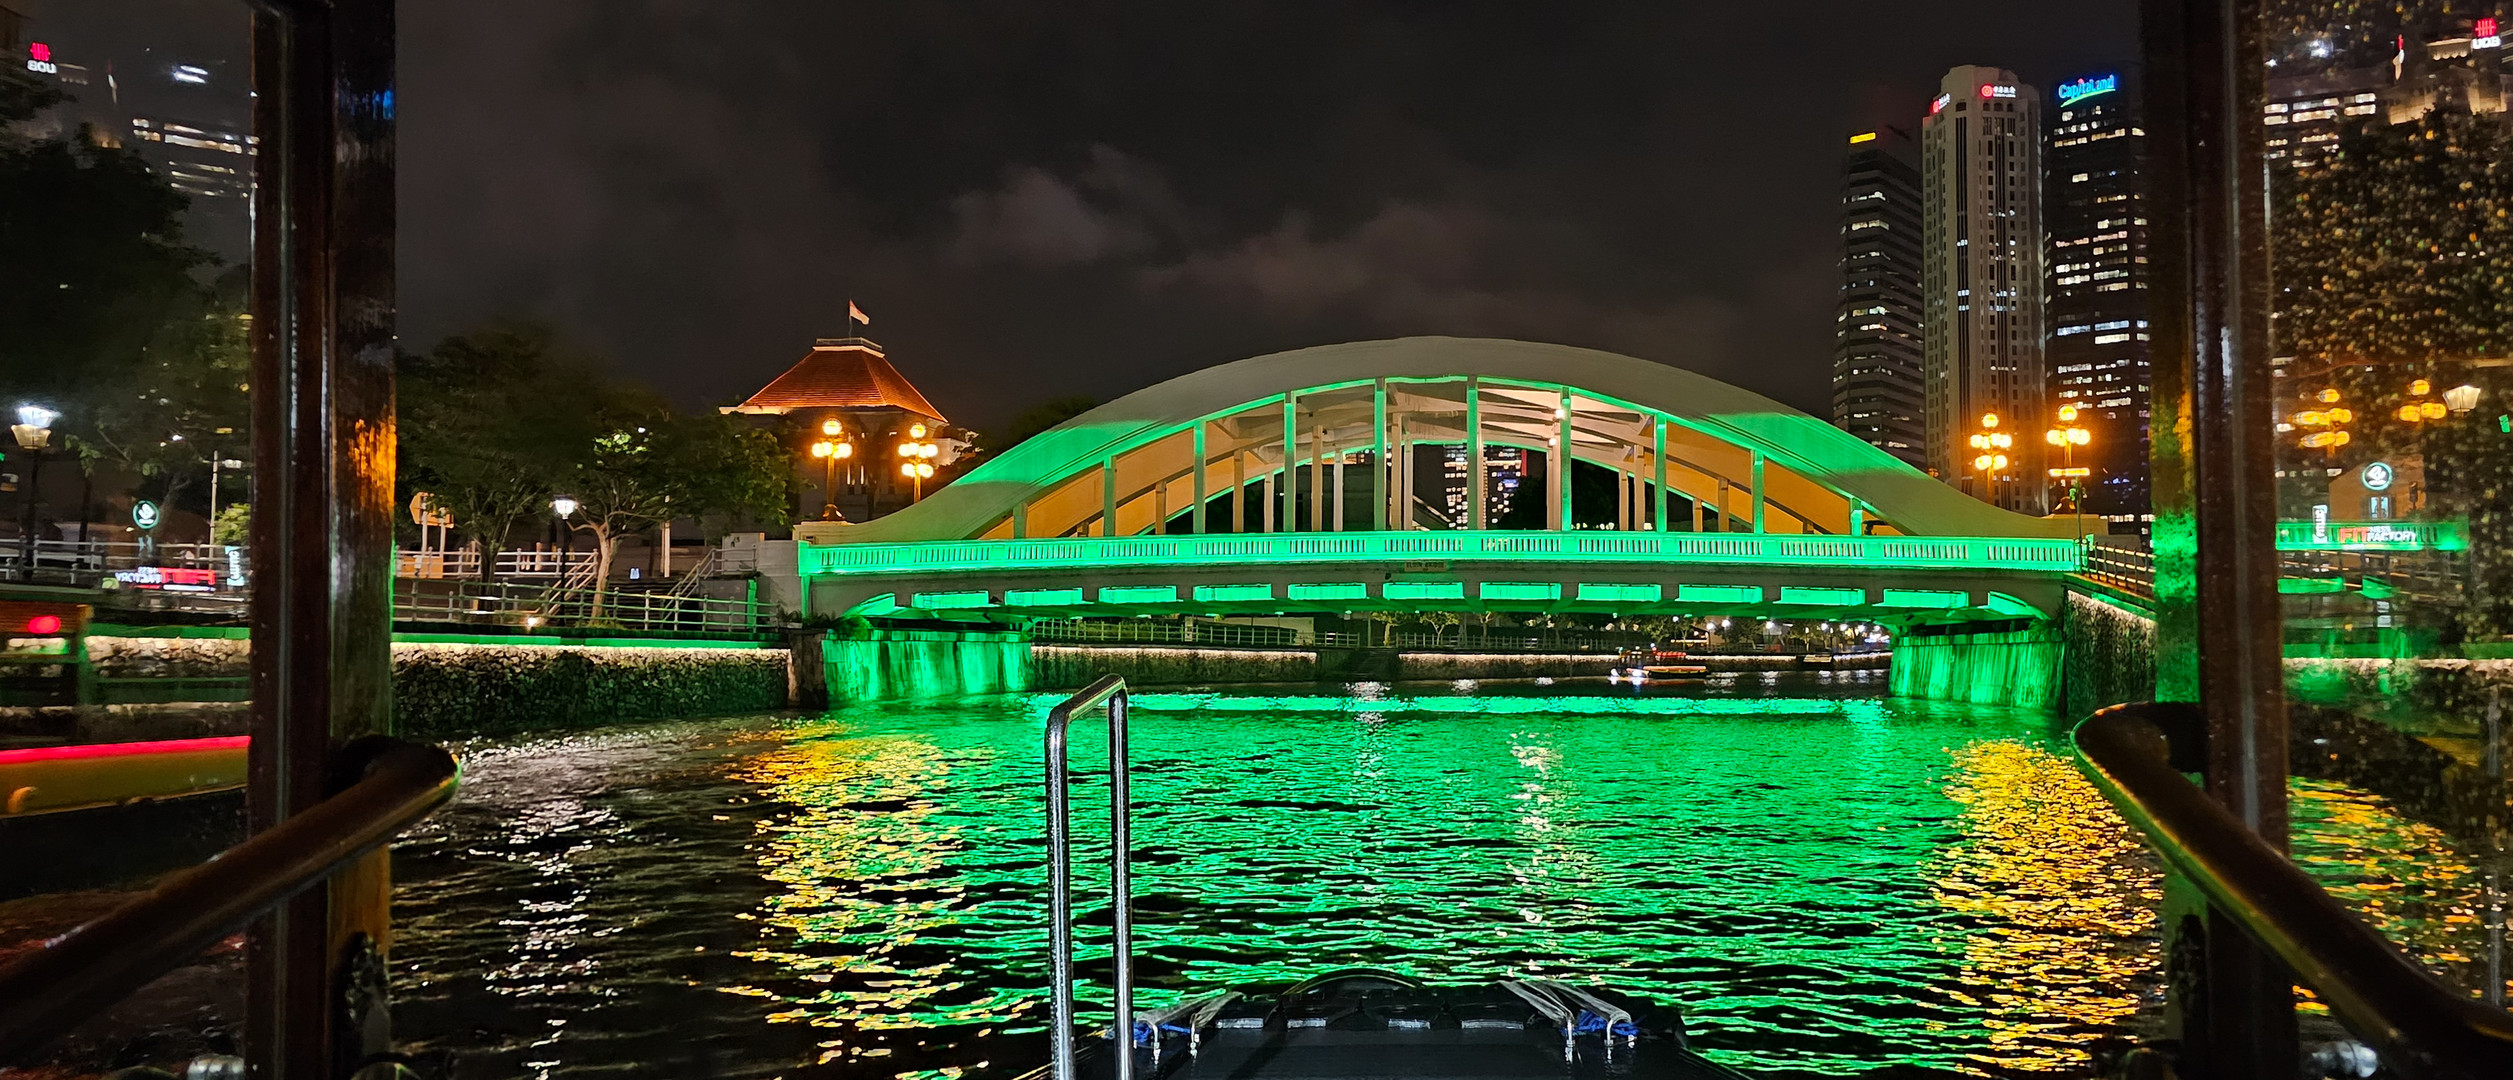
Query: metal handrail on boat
[
  {"x": 2422, "y": 1027},
  {"x": 1109, "y": 691},
  {"x": 48, "y": 991}
]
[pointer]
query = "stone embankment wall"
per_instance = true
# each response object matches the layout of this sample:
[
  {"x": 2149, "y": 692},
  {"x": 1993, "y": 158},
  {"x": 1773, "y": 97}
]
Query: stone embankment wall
[
  {"x": 2110, "y": 655},
  {"x": 870, "y": 664},
  {"x": 445, "y": 686}
]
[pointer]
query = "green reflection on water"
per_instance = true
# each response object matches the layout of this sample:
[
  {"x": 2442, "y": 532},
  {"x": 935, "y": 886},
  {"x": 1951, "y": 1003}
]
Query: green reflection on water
[{"x": 1826, "y": 886}]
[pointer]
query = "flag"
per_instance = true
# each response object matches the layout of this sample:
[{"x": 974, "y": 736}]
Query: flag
[{"x": 857, "y": 314}]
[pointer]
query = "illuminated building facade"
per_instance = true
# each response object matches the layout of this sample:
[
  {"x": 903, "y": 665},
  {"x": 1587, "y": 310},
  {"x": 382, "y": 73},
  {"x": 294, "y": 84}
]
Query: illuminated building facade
[
  {"x": 1503, "y": 468},
  {"x": 2094, "y": 205},
  {"x": 1876, "y": 387},
  {"x": 1982, "y": 329}
]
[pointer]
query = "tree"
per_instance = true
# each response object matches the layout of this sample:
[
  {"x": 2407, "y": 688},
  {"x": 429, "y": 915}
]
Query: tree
[
  {"x": 646, "y": 465},
  {"x": 92, "y": 259},
  {"x": 184, "y": 400},
  {"x": 488, "y": 423}
]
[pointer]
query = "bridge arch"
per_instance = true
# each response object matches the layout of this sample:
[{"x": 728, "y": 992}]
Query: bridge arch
[{"x": 1375, "y": 436}]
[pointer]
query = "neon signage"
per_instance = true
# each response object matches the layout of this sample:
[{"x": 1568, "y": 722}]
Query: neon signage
[
  {"x": 1997, "y": 90},
  {"x": 2075, "y": 90},
  {"x": 39, "y": 59},
  {"x": 2483, "y": 34},
  {"x": 169, "y": 578},
  {"x": 1939, "y": 104}
]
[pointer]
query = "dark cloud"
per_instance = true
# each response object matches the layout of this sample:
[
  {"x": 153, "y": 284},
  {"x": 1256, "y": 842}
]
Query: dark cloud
[{"x": 1037, "y": 199}]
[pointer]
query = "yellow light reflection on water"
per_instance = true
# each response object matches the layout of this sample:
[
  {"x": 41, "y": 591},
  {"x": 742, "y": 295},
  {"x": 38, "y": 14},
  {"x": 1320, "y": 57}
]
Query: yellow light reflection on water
[
  {"x": 864, "y": 873},
  {"x": 2067, "y": 897}
]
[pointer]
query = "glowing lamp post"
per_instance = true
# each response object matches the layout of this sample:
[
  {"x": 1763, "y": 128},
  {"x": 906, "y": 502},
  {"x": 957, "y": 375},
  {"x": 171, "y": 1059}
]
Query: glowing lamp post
[
  {"x": 918, "y": 460},
  {"x": 565, "y": 507},
  {"x": 1993, "y": 445},
  {"x": 2071, "y": 476},
  {"x": 34, "y": 432},
  {"x": 2461, "y": 399},
  {"x": 832, "y": 448}
]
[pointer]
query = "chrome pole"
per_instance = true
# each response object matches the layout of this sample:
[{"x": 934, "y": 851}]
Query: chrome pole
[
  {"x": 1121, "y": 859},
  {"x": 1059, "y": 896},
  {"x": 1110, "y": 690}
]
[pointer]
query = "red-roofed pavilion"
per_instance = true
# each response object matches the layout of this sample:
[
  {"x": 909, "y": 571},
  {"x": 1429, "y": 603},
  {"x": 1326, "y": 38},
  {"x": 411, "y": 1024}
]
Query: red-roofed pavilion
[{"x": 849, "y": 383}]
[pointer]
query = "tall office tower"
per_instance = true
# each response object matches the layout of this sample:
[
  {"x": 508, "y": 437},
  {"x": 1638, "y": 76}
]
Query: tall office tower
[
  {"x": 1876, "y": 392},
  {"x": 2093, "y": 203},
  {"x": 1981, "y": 291}
]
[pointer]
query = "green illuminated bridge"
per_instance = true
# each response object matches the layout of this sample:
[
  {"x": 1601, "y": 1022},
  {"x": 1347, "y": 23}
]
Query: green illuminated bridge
[{"x": 1427, "y": 473}]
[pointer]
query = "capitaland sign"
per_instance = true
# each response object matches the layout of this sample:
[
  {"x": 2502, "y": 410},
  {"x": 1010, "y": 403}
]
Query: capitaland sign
[{"x": 2076, "y": 90}]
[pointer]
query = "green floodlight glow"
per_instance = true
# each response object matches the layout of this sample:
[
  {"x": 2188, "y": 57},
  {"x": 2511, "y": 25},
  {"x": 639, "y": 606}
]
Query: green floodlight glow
[
  {"x": 2004, "y": 604},
  {"x": 1521, "y": 590},
  {"x": 2029, "y": 555},
  {"x": 1595, "y": 590},
  {"x": 1925, "y": 598},
  {"x": 1138, "y": 594},
  {"x": 2378, "y": 589},
  {"x": 1424, "y": 590},
  {"x": 1234, "y": 593},
  {"x": 1719, "y": 594},
  {"x": 1826, "y": 597},
  {"x": 877, "y": 606},
  {"x": 1330, "y": 590},
  {"x": 1042, "y": 597},
  {"x": 2311, "y": 586},
  {"x": 941, "y": 601}
]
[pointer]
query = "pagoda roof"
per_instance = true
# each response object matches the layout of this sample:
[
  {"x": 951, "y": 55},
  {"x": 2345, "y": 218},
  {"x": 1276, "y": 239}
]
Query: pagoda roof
[{"x": 840, "y": 373}]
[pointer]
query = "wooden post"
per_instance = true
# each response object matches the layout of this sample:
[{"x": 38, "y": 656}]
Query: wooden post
[{"x": 323, "y": 434}]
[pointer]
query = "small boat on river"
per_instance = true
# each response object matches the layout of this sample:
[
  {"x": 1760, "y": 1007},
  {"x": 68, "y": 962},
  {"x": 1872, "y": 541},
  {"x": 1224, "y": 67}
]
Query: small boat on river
[{"x": 1650, "y": 662}]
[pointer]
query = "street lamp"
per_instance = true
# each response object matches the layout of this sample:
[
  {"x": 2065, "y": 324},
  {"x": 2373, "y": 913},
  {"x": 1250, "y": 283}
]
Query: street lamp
[
  {"x": 919, "y": 464},
  {"x": 34, "y": 432},
  {"x": 832, "y": 448},
  {"x": 1992, "y": 459},
  {"x": 2068, "y": 437},
  {"x": 565, "y": 507},
  {"x": 2462, "y": 398}
]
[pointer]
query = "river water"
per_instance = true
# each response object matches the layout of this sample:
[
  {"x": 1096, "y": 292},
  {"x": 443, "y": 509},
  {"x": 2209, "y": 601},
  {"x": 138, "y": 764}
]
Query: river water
[{"x": 1825, "y": 882}]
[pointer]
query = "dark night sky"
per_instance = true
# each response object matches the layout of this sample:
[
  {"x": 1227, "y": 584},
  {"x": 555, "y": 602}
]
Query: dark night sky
[{"x": 1034, "y": 199}]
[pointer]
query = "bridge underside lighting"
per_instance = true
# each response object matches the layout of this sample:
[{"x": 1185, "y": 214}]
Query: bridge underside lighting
[
  {"x": 1138, "y": 594},
  {"x": 1521, "y": 590},
  {"x": 1596, "y": 591},
  {"x": 1042, "y": 597},
  {"x": 1925, "y": 598},
  {"x": 1424, "y": 590},
  {"x": 1234, "y": 593},
  {"x": 1719, "y": 594},
  {"x": 1827, "y": 597},
  {"x": 941, "y": 601},
  {"x": 1330, "y": 590}
]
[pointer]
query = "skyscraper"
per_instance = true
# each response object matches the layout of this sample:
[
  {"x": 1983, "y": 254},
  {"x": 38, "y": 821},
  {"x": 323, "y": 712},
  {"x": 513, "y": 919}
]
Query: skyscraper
[
  {"x": 2093, "y": 201},
  {"x": 1876, "y": 388},
  {"x": 1981, "y": 293}
]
